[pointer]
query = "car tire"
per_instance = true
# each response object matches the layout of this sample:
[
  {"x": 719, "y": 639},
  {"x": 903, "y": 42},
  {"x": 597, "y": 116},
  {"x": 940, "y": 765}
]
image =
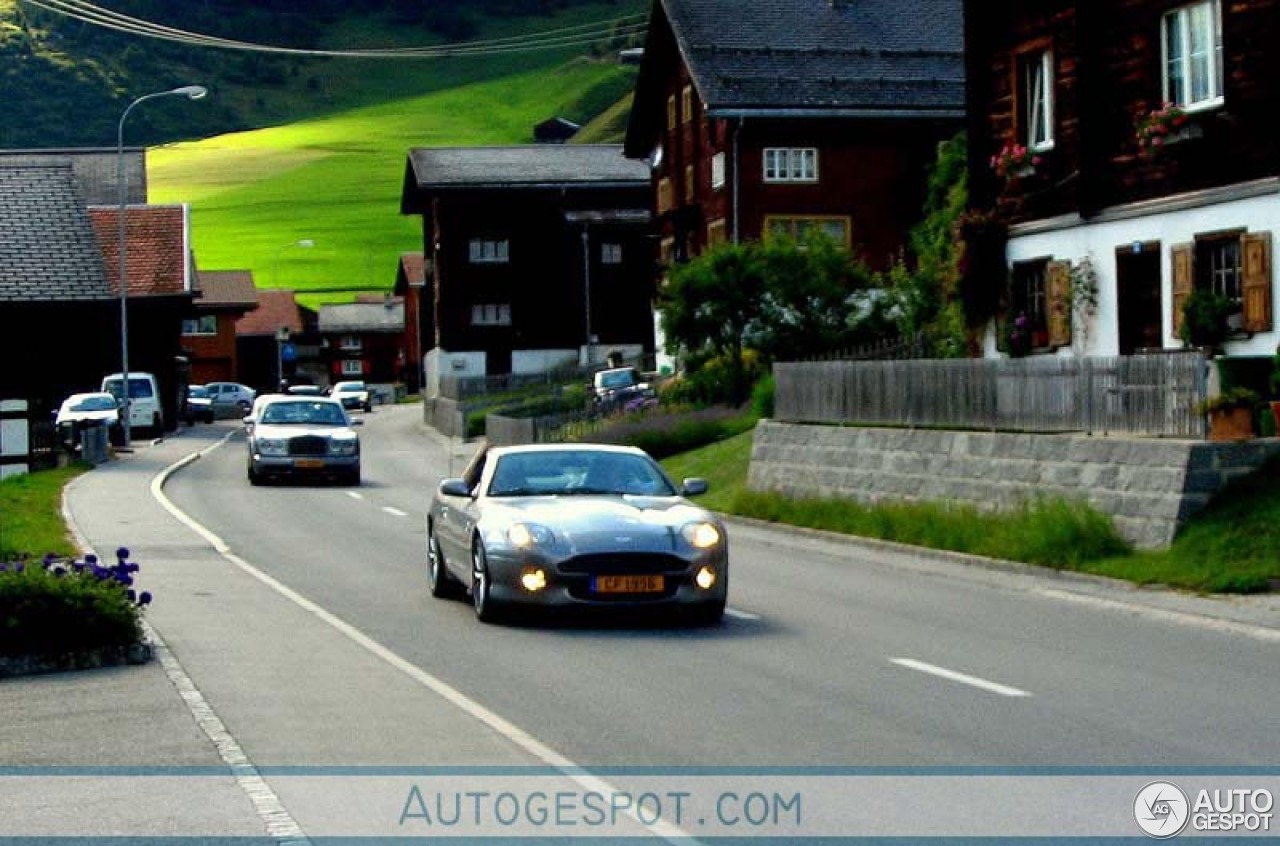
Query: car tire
[
  {"x": 352, "y": 478},
  {"x": 481, "y": 600},
  {"x": 255, "y": 478},
  {"x": 442, "y": 586},
  {"x": 708, "y": 613}
]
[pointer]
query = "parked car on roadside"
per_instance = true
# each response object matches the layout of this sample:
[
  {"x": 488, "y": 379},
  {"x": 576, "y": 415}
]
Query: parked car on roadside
[
  {"x": 293, "y": 436},
  {"x": 576, "y": 526},
  {"x": 352, "y": 395},
  {"x": 145, "y": 409},
  {"x": 231, "y": 395},
  {"x": 199, "y": 407},
  {"x": 615, "y": 387},
  {"x": 87, "y": 409}
]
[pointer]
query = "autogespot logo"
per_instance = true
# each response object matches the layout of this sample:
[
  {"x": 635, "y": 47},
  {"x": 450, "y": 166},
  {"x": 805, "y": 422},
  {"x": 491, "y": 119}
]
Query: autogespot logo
[{"x": 1161, "y": 809}]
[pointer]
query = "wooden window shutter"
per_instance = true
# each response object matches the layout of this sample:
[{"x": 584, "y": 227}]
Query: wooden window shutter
[
  {"x": 1182, "y": 256},
  {"x": 1255, "y": 286},
  {"x": 1058, "y": 288}
]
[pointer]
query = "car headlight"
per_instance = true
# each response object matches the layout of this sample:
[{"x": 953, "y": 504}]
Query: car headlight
[
  {"x": 344, "y": 446},
  {"x": 271, "y": 446},
  {"x": 525, "y": 535},
  {"x": 701, "y": 535}
]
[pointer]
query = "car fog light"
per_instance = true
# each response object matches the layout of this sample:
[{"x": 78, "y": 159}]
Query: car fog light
[
  {"x": 533, "y": 579},
  {"x": 705, "y": 578}
]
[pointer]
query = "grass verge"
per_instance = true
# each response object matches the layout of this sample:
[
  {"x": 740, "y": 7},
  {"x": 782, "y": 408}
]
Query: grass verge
[
  {"x": 1231, "y": 547},
  {"x": 31, "y": 514}
]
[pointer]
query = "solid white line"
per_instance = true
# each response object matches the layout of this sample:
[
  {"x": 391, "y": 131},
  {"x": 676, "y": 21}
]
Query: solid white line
[
  {"x": 513, "y": 733},
  {"x": 741, "y": 615},
  {"x": 394, "y": 512},
  {"x": 355, "y": 495},
  {"x": 952, "y": 675}
]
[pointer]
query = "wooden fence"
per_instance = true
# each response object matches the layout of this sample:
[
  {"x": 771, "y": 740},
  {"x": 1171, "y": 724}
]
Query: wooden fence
[{"x": 1152, "y": 394}]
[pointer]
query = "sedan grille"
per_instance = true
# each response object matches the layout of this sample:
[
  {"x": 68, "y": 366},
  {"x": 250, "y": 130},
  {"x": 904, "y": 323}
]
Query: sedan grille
[
  {"x": 309, "y": 445},
  {"x": 621, "y": 563}
]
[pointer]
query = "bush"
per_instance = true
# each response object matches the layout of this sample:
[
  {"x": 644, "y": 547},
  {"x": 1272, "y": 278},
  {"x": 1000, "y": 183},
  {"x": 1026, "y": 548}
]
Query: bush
[
  {"x": 663, "y": 433},
  {"x": 762, "y": 397},
  {"x": 709, "y": 381},
  {"x": 51, "y": 607}
]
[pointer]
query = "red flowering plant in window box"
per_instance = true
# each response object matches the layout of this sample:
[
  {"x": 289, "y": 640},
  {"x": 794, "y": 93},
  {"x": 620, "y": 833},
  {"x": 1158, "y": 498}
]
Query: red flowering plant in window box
[
  {"x": 1165, "y": 125},
  {"x": 1015, "y": 160}
]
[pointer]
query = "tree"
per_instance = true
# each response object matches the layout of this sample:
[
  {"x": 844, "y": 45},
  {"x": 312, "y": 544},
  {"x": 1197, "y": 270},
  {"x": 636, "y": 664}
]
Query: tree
[{"x": 710, "y": 304}]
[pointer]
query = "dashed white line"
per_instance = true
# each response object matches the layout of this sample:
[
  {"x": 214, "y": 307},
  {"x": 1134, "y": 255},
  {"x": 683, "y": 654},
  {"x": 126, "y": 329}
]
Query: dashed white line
[
  {"x": 962, "y": 678},
  {"x": 740, "y": 615},
  {"x": 355, "y": 495},
  {"x": 394, "y": 512}
]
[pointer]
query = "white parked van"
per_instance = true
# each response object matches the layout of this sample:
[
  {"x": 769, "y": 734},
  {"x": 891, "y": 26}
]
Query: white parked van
[{"x": 145, "y": 409}]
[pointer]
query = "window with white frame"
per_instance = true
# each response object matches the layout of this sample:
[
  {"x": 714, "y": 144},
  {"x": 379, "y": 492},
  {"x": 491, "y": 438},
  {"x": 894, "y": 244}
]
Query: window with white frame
[
  {"x": 1218, "y": 265},
  {"x": 352, "y": 367},
  {"x": 491, "y": 314},
  {"x": 349, "y": 342},
  {"x": 717, "y": 170},
  {"x": 1192, "y": 41},
  {"x": 205, "y": 324},
  {"x": 490, "y": 251},
  {"x": 611, "y": 254},
  {"x": 790, "y": 164},
  {"x": 1035, "y": 87}
]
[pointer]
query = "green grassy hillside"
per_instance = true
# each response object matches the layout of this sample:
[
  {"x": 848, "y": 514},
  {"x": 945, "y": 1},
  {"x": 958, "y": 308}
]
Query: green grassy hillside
[{"x": 336, "y": 180}]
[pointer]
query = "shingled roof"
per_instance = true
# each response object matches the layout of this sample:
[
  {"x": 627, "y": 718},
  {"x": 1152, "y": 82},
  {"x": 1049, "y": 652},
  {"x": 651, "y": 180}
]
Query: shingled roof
[
  {"x": 276, "y": 309},
  {"x": 159, "y": 248},
  {"x": 862, "y": 58},
  {"x": 47, "y": 248},
  {"x": 226, "y": 289},
  {"x": 520, "y": 166},
  {"x": 383, "y": 316}
]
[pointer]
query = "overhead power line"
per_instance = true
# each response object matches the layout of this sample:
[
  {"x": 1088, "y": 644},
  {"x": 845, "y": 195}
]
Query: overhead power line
[{"x": 570, "y": 36}]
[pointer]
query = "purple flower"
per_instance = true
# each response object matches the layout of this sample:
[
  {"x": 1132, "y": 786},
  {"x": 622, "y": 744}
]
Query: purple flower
[
  {"x": 122, "y": 553},
  {"x": 144, "y": 598},
  {"x": 91, "y": 559}
]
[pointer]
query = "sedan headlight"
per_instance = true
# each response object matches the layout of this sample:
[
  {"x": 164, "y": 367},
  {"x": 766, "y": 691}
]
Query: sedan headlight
[
  {"x": 701, "y": 535},
  {"x": 344, "y": 446},
  {"x": 271, "y": 446},
  {"x": 525, "y": 535}
]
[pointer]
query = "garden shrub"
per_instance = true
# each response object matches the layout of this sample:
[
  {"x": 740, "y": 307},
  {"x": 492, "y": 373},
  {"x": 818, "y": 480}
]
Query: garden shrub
[
  {"x": 664, "y": 432},
  {"x": 51, "y": 607}
]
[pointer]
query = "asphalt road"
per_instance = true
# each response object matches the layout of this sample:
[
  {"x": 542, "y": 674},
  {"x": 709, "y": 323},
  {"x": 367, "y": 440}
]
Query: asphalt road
[{"x": 832, "y": 653}]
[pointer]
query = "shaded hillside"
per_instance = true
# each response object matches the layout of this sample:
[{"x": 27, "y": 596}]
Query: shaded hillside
[{"x": 58, "y": 67}]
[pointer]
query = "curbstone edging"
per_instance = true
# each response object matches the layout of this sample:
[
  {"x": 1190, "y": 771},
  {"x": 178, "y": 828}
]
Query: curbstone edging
[{"x": 86, "y": 659}]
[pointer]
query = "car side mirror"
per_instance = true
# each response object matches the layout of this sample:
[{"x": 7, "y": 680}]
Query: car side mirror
[
  {"x": 455, "y": 487},
  {"x": 357, "y": 421},
  {"x": 694, "y": 486}
]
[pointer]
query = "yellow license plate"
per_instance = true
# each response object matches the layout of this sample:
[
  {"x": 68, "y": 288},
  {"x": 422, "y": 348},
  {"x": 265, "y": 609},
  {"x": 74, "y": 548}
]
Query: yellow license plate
[
  {"x": 308, "y": 463},
  {"x": 628, "y": 584}
]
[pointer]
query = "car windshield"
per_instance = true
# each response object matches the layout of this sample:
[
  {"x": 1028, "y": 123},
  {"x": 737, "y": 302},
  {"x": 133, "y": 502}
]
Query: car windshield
[
  {"x": 570, "y": 472},
  {"x": 348, "y": 387},
  {"x": 304, "y": 413},
  {"x": 617, "y": 379},
  {"x": 94, "y": 403},
  {"x": 198, "y": 391},
  {"x": 138, "y": 388}
]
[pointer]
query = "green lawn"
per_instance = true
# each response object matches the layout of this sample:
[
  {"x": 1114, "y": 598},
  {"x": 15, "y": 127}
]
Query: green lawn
[
  {"x": 336, "y": 181},
  {"x": 31, "y": 513}
]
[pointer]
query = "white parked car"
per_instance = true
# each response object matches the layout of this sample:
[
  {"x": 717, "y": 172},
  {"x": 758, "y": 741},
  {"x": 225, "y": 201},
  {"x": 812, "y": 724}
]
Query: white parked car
[
  {"x": 352, "y": 395},
  {"x": 80, "y": 410},
  {"x": 145, "y": 410}
]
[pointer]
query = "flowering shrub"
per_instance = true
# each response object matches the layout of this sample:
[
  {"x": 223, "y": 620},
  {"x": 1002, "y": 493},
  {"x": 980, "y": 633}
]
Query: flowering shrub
[
  {"x": 1155, "y": 127},
  {"x": 1012, "y": 159},
  {"x": 50, "y": 606}
]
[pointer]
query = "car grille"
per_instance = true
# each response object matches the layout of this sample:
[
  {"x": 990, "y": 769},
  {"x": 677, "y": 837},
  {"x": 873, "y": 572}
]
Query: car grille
[
  {"x": 618, "y": 563},
  {"x": 309, "y": 445}
]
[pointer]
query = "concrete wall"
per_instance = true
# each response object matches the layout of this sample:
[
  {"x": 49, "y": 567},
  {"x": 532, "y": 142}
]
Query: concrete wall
[
  {"x": 505, "y": 431},
  {"x": 1149, "y": 486},
  {"x": 445, "y": 415}
]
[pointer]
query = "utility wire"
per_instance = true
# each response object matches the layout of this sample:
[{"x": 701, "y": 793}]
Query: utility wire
[{"x": 571, "y": 36}]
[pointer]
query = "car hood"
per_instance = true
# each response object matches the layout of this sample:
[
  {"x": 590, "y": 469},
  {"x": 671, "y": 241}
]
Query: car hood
[
  {"x": 86, "y": 416},
  {"x": 583, "y": 524},
  {"x": 297, "y": 430}
]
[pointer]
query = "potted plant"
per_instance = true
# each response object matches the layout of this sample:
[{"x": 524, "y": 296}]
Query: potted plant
[
  {"x": 1230, "y": 414},
  {"x": 1014, "y": 160},
  {"x": 1161, "y": 127},
  {"x": 1206, "y": 318}
]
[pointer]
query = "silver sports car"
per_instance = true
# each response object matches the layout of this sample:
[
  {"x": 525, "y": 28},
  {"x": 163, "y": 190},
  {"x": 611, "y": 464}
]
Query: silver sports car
[{"x": 574, "y": 526}]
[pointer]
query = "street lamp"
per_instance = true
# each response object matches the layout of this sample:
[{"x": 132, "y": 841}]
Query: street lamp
[{"x": 191, "y": 92}]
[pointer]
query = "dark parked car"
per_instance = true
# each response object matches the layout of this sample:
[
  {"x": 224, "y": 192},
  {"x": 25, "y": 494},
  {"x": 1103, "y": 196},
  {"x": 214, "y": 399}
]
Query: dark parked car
[
  {"x": 199, "y": 405},
  {"x": 618, "y": 386},
  {"x": 291, "y": 436},
  {"x": 576, "y": 526}
]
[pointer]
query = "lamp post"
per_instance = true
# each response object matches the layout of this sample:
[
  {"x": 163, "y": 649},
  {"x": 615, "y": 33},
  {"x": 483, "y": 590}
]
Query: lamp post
[{"x": 191, "y": 92}]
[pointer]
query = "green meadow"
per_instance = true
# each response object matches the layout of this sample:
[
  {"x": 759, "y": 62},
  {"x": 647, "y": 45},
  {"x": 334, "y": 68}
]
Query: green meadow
[{"x": 335, "y": 181}]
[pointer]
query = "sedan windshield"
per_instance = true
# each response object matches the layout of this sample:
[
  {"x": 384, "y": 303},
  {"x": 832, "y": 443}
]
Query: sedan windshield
[
  {"x": 95, "y": 403},
  {"x": 543, "y": 473},
  {"x": 304, "y": 413}
]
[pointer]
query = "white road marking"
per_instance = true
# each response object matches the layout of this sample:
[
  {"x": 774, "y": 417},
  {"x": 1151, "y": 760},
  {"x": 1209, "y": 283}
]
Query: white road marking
[
  {"x": 355, "y": 495},
  {"x": 514, "y": 734},
  {"x": 740, "y": 615},
  {"x": 394, "y": 512},
  {"x": 952, "y": 675}
]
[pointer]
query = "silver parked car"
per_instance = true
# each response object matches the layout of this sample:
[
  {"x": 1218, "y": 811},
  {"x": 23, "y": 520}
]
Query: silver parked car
[
  {"x": 576, "y": 526},
  {"x": 292, "y": 436}
]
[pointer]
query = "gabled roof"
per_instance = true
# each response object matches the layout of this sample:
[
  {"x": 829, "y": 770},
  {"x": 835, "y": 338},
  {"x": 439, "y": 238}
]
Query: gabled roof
[
  {"x": 276, "y": 310},
  {"x": 47, "y": 248},
  {"x": 159, "y": 248},
  {"x": 412, "y": 273},
  {"x": 863, "y": 58},
  {"x": 386, "y": 316},
  {"x": 587, "y": 166},
  {"x": 226, "y": 289}
]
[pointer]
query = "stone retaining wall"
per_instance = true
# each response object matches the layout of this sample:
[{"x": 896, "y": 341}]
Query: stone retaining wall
[{"x": 1149, "y": 486}]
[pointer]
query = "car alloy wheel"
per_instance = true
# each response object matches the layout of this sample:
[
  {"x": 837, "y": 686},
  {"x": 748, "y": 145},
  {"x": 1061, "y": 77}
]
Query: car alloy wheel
[
  {"x": 480, "y": 586},
  {"x": 436, "y": 573}
]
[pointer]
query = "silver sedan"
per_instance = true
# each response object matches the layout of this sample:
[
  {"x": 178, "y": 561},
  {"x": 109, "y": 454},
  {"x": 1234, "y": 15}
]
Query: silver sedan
[
  {"x": 292, "y": 436},
  {"x": 575, "y": 526}
]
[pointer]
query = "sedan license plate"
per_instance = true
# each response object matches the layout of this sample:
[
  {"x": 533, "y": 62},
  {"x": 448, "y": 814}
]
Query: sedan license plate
[
  {"x": 308, "y": 463},
  {"x": 627, "y": 584}
]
